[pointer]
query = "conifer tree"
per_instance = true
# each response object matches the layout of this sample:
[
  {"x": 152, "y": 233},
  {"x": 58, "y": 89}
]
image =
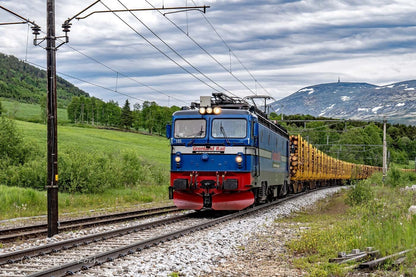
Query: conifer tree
[{"x": 126, "y": 119}]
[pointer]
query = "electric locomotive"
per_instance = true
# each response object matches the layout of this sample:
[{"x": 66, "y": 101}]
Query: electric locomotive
[{"x": 226, "y": 155}]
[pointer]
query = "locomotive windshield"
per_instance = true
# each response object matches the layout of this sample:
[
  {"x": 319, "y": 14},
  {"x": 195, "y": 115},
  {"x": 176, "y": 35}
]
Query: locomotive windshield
[
  {"x": 229, "y": 128},
  {"x": 190, "y": 128}
]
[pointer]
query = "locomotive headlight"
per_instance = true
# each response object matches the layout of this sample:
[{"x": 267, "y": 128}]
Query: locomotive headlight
[
  {"x": 202, "y": 110},
  {"x": 217, "y": 110},
  {"x": 178, "y": 159},
  {"x": 239, "y": 159},
  {"x": 209, "y": 110}
]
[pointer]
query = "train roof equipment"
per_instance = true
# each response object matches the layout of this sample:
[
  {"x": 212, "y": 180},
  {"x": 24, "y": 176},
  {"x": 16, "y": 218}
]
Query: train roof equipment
[{"x": 210, "y": 104}]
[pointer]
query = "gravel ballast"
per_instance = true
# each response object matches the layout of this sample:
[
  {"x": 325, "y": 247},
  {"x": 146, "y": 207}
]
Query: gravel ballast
[{"x": 242, "y": 247}]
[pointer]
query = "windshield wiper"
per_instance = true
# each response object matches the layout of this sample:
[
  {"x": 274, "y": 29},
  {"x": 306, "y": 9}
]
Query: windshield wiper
[
  {"x": 224, "y": 134},
  {"x": 199, "y": 134}
]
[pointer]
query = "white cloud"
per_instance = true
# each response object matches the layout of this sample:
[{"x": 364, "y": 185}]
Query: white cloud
[{"x": 286, "y": 45}]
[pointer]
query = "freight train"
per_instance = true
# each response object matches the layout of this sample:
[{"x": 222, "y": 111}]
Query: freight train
[{"x": 227, "y": 155}]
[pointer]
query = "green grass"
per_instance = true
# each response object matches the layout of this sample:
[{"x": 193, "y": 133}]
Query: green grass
[
  {"x": 29, "y": 112},
  {"x": 121, "y": 168},
  {"x": 382, "y": 222},
  {"x": 151, "y": 148},
  {"x": 23, "y": 202}
]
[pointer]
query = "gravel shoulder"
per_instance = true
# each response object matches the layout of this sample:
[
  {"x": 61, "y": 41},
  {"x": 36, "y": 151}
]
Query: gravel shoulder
[
  {"x": 244, "y": 247},
  {"x": 250, "y": 246}
]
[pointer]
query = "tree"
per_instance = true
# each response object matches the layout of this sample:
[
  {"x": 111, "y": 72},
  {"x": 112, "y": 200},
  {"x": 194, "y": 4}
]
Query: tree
[
  {"x": 12, "y": 148},
  {"x": 113, "y": 112},
  {"x": 1, "y": 109},
  {"x": 136, "y": 116},
  {"x": 126, "y": 118}
]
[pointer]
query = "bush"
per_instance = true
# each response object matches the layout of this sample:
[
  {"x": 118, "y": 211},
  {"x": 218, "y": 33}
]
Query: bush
[
  {"x": 10, "y": 143},
  {"x": 97, "y": 171},
  {"x": 359, "y": 194},
  {"x": 394, "y": 177}
]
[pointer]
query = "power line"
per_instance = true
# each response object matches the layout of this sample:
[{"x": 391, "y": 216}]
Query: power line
[
  {"x": 91, "y": 83},
  {"x": 126, "y": 76},
  {"x": 108, "y": 67},
  {"x": 172, "y": 49},
  {"x": 203, "y": 49},
  {"x": 232, "y": 52}
]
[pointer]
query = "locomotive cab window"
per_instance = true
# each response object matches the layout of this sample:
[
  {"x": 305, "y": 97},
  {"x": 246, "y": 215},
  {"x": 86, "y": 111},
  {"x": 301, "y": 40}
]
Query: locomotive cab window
[
  {"x": 190, "y": 128},
  {"x": 229, "y": 128}
]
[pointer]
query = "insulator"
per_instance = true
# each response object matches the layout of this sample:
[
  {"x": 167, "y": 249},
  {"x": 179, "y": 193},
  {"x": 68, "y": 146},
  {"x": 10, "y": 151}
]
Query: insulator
[
  {"x": 66, "y": 26},
  {"x": 36, "y": 30}
]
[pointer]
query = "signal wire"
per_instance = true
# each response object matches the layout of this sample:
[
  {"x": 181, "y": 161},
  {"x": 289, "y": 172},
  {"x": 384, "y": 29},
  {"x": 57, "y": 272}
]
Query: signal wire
[{"x": 202, "y": 48}]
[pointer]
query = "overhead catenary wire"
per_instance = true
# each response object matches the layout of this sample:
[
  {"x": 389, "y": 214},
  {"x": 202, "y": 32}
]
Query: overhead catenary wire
[
  {"x": 124, "y": 75},
  {"x": 111, "y": 69},
  {"x": 173, "y": 50},
  {"x": 27, "y": 21},
  {"x": 232, "y": 52},
  {"x": 203, "y": 49},
  {"x": 90, "y": 83}
]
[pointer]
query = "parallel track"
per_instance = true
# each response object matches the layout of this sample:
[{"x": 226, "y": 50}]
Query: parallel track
[
  {"x": 117, "y": 250},
  {"x": 13, "y": 234}
]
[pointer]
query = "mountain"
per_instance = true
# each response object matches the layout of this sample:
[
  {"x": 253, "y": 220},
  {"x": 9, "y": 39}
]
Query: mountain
[
  {"x": 363, "y": 101},
  {"x": 25, "y": 83}
]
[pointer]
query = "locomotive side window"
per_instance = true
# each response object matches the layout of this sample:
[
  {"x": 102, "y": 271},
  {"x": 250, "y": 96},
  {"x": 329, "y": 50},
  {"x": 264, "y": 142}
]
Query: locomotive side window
[
  {"x": 190, "y": 128},
  {"x": 229, "y": 128}
]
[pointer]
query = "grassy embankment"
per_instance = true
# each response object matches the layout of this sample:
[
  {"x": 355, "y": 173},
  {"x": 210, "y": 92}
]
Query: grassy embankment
[
  {"x": 371, "y": 214},
  {"x": 112, "y": 168},
  {"x": 29, "y": 112}
]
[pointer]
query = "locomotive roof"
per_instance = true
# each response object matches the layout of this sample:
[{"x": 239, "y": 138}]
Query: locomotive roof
[
  {"x": 223, "y": 111},
  {"x": 243, "y": 112}
]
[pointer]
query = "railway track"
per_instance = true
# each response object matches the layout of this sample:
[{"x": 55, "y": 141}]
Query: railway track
[
  {"x": 95, "y": 250},
  {"x": 12, "y": 234}
]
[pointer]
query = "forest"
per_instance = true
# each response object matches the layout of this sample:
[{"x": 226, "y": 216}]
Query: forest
[
  {"x": 92, "y": 111},
  {"x": 352, "y": 140},
  {"x": 23, "y": 82}
]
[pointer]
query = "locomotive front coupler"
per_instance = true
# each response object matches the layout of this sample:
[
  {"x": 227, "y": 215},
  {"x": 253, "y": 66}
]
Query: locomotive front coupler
[{"x": 207, "y": 198}]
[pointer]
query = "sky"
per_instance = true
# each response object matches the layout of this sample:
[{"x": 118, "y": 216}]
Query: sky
[{"x": 239, "y": 47}]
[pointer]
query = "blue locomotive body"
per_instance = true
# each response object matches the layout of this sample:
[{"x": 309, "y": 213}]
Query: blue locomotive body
[{"x": 227, "y": 156}]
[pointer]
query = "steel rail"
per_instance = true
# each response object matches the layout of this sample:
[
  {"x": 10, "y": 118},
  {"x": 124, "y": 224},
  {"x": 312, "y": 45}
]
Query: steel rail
[
  {"x": 72, "y": 243},
  {"x": 86, "y": 263},
  {"x": 41, "y": 229}
]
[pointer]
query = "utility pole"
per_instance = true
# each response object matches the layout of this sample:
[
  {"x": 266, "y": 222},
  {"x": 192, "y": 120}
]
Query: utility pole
[
  {"x": 384, "y": 149},
  {"x": 52, "y": 147},
  {"x": 52, "y": 182}
]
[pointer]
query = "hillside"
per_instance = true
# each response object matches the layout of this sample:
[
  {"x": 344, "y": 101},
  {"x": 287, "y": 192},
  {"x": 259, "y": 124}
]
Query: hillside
[
  {"x": 360, "y": 101},
  {"x": 26, "y": 83}
]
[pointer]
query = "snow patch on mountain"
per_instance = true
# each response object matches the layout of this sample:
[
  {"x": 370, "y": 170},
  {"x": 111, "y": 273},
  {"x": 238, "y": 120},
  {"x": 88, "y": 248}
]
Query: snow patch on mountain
[
  {"x": 349, "y": 100},
  {"x": 308, "y": 90},
  {"x": 327, "y": 109}
]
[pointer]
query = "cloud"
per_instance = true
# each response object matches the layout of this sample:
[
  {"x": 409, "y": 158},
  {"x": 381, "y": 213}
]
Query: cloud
[{"x": 286, "y": 45}]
